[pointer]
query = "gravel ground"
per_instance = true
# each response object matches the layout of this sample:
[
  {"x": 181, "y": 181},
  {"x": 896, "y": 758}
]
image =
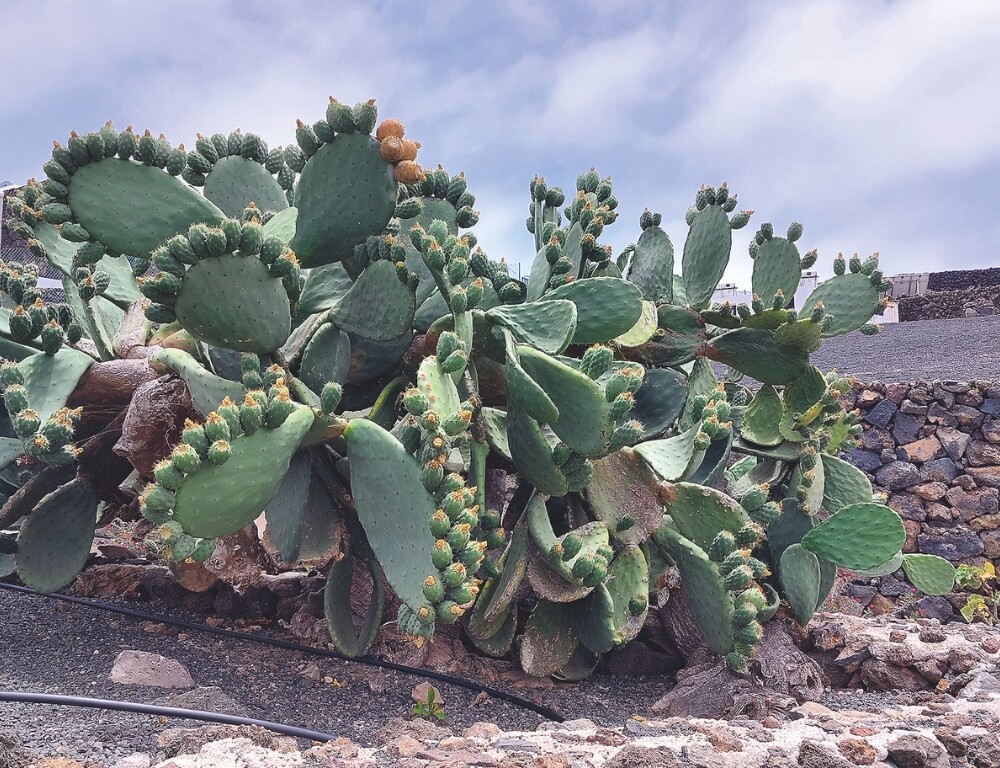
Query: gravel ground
[
  {"x": 965, "y": 349},
  {"x": 51, "y": 647}
]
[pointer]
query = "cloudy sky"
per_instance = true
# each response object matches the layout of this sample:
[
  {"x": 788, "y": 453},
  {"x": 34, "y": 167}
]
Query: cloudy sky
[{"x": 876, "y": 124}]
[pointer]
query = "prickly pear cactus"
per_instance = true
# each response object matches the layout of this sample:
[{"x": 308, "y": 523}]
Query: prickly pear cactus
[{"x": 331, "y": 354}]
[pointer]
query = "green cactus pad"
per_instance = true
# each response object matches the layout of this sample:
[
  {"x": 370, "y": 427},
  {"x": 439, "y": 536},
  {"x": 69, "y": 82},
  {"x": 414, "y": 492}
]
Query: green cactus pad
[
  {"x": 286, "y": 512},
  {"x": 652, "y": 268},
  {"x": 551, "y": 586},
  {"x": 122, "y": 289},
  {"x": 788, "y": 529},
  {"x": 659, "y": 401},
  {"x": 756, "y": 352},
  {"x": 346, "y": 192},
  {"x": 133, "y": 208},
  {"x": 827, "y": 581},
  {"x": 579, "y": 667},
  {"x": 814, "y": 493},
  {"x": 523, "y": 390},
  {"x": 701, "y": 381},
  {"x": 324, "y": 287},
  {"x": 351, "y": 641},
  {"x": 700, "y": 513},
  {"x": 378, "y": 306},
  {"x": 643, "y": 330},
  {"x": 844, "y": 484},
  {"x": 327, "y": 357},
  {"x": 671, "y": 456},
  {"x": 850, "y": 298},
  {"x": 623, "y": 486},
  {"x": 282, "y": 225},
  {"x": 703, "y": 588},
  {"x": 584, "y": 423},
  {"x": 858, "y": 536},
  {"x": 235, "y": 181},
  {"x": 802, "y": 336},
  {"x": 10, "y": 449},
  {"x": 496, "y": 600},
  {"x": 438, "y": 387},
  {"x": 499, "y": 643},
  {"x": 628, "y": 583},
  {"x": 776, "y": 267},
  {"x": 54, "y": 541},
  {"x": 680, "y": 337},
  {"x": 393, "y": 507},
  {"x": 800, "y": 581},
  {"x": 49, "y": 380},
  {"x": 547, "y": 325},
  {"x": 707, "y": 468},
  {"x": 207, "y": 390},
  {"x": 706, "y": 255},
  {"x": 594, "y": 618},
  {"x": 549, "y": 639},
  {"x": 435, "y": 307},
  {"x": 931, "y": 574},
  {"x": 220, "y": 499},
  {"x": 373, "y": 358},
  {"x": 231, "y": 301},
  {"x": 495, "y": 424},
  {"x": 606, "y": 307},
  {"x": 807, "y": 390},
  {"x": 891, "y": 565},
  {"x": 760, "y": 422}
]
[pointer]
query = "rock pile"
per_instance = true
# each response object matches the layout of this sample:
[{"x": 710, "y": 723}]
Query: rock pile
[
  {"x": 958, "y": 279},
  {"x": 934, "y": 448},
  {"x": 936, "y": 305}
]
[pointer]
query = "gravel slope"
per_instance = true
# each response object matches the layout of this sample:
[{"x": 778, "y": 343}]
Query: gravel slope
[
  {"x": 52, "y": 647},
  {"x": 963, "y": 349}
]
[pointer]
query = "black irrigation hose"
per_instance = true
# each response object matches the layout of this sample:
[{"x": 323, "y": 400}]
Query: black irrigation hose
[
  {"x": 440, "y": 677},
  {"x": 152, "y": 709}
]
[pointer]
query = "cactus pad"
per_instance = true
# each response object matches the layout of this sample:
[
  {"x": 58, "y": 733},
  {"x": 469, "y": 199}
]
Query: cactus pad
[
  {"x": 760, "y": 422},
  {"x": 670, "y": 457},
  {"x": 584, "y": 423},
  {"x": 549, "y": 639},
  {"x": 220, "y": 499},
  {"x": 206, "y": 389},
  {"x": 545, "y": 325},
  {"x": 351, "y": 641},
  {"x": 756, "y": 352},
  {"x": 594, "y": 617},
  {"x": 700, "y": 513},
  {"x": 858, "y": 536},
  {"x": 850, "y": 298},
  {"x": 800, "y": 581},
  {"x": 497, "y": 598},
  {"x": 606, "y": 307},
  {"x": 54, "y": 541},
  {"x": 931, "y": 574},
  {"x": 703, "y": 588},
  {"x": 622, "y": 494},
  {"x": 235, "y": 181},
  {"x": 378, "y": 306},
  {"x": 324, "y": 287},
  {"x": 706, "y": 255},
  {"x": 844, "y": 484},
  {"x": 393, "y": 507},
  {"x": 232, "y": 301},
  {"x": 776, "y": 267},
  {"x": 286, "y": 512},
  {"x": 659, "y": 401},
  {"x": 327, "y": 357},
  {"x": 49, "y": 380},
  {"x": 346, "y": 192},
  {"x": 652, "y": 268},
  {"x": 628, "y": 584},
  {"x": 133, "y": 208}
]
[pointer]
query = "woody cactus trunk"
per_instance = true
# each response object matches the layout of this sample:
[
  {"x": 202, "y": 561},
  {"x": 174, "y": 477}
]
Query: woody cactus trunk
[{"x": 323, "y": 343}]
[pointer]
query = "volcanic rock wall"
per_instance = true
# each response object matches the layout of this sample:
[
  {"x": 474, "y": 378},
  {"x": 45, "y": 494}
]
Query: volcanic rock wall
[{"x": 934, "y": 448}]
